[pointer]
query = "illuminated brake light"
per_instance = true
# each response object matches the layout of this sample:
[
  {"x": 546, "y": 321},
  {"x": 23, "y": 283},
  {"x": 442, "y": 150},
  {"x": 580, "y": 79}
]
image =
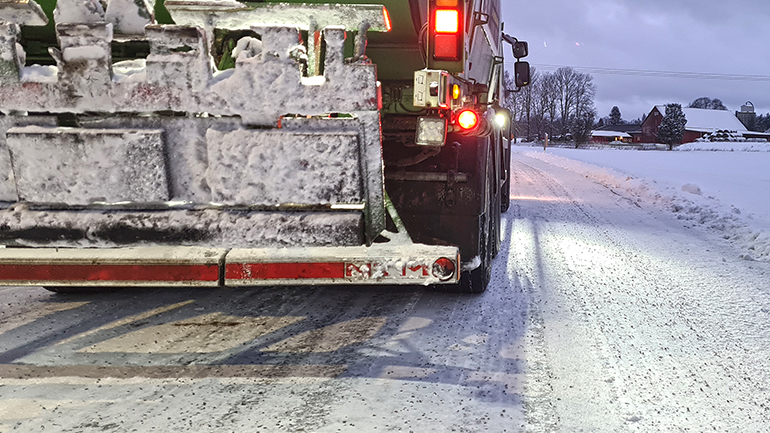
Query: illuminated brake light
[
  {"x": 447, "y": 21},
  {"x": 446, "y": 35},
  {"x": 468, "y": 119},
  {"x": 388, "y": 22}
]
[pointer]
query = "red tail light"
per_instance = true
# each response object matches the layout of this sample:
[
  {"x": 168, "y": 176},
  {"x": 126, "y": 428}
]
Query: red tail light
[
  {"x": 447, "y": 21},
  {"x": 386, "y": 15},
  {"x": 467, "y": 119},
  {"x": 447, "y": 30}
]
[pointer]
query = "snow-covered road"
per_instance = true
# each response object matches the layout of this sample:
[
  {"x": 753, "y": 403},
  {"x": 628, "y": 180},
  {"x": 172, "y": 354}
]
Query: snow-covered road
[
  {"x": 645, "y": 324},
  {"x": 607, "y": 313}
]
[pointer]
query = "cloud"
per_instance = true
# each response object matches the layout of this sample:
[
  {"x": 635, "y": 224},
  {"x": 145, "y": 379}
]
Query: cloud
[{"x": 707, "y": 36}]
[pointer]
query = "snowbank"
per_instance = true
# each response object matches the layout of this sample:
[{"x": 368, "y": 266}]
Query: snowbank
[
  {"x": 639, "y": 177},
  {"x": 746, "y": 146}
]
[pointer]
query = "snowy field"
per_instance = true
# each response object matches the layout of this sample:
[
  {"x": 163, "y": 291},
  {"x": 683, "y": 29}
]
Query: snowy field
[{"x": 724, "y": 187}]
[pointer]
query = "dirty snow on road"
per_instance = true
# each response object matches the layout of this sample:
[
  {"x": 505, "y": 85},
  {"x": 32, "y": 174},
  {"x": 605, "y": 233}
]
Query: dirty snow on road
[{"x": 606, "y": 313}]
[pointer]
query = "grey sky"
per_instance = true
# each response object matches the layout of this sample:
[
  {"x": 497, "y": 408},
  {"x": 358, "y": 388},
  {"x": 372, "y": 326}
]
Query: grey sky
[{"x": 704, "y": 36}]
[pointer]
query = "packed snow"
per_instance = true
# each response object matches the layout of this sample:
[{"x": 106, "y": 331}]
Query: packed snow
[
  {"x": 743, "y": 146},
  {"x": 39, "y": 74},
  {"x": 723, "y": 187}
]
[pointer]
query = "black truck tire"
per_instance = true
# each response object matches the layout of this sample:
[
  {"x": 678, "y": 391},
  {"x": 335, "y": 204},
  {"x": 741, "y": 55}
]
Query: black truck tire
[
  {"x": 477, "y": 280},
  {"x": 505, "y": 191}
]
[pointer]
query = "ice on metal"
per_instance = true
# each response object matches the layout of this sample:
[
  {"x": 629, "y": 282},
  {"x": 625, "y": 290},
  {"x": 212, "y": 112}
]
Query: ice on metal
[
  {"x": 81, "y": 166},
  {"x": 178, "y": 56},
  {"x": 234, "y": 15},
  {"x": 260, "y": 134},
  {"x": 128, "y": 17},
  {"x": 78, "y": 11},
  {"x": 217, "y": 228},
  {"x": 22, "y": 12},
  {"x": 294, "y": 167}
]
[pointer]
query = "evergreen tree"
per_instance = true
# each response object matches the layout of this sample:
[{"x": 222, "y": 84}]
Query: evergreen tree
[
  {"x": 615, "y": 117},
  {"x": 580, "y": 126},
  {"x": 763, "y": 123},
  {"x": 672, "y": 127}
]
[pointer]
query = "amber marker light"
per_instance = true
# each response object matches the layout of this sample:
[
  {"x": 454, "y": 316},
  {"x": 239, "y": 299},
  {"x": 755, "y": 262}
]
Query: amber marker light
[{"x": 455, "y": 92}]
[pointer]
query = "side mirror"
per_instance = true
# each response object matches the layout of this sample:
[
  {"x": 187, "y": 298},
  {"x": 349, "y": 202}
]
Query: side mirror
[
  {"x": 520, "y": 49},
  {"x": 521, "y": 72}
]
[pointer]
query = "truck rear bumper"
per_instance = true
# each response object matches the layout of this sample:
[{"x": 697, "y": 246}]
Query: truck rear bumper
[{"x": 382, "y": 264}]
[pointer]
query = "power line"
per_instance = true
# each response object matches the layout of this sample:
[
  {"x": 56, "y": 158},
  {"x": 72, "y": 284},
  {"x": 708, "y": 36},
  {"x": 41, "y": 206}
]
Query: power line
[{"x": 657, "y": 74}]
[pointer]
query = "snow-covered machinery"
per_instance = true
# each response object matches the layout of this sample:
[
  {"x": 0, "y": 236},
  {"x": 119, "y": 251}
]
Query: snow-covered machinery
[{"x": 240, "y": 144}]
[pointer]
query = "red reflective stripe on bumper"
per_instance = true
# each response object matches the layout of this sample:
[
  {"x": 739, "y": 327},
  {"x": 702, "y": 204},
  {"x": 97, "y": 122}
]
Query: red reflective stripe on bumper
[
  {"x": 109, "y": 272},
  {"x": 280, "y": 271}
]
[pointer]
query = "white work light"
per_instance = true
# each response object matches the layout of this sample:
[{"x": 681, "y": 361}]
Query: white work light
[
  {"x": 431, "y": 131},
  {"x": 501, "y": 119}
]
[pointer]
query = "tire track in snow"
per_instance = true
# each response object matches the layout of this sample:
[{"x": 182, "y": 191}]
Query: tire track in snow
[
  {"x": 684, "y": 364},
  {"x": 560, "y": 204}
]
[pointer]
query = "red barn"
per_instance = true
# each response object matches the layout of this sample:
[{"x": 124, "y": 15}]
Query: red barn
[{"x": 699, "y": 123}]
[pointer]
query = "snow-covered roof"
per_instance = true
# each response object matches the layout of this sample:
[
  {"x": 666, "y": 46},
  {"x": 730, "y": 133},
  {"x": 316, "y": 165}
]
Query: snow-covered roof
[
  {"x": 629, "y": 128},
  {"x": 701, "y": 120},
  {"x": 609, "y": 134}
]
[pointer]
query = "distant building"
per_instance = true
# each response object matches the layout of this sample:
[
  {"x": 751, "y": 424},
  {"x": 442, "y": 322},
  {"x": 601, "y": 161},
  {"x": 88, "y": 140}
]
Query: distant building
[
  {"x": 626, "y": 133},
  {"x": 609, "y": 137},
  {"x": 747, "y": 115},
  {"x": 699, "y": 123}
]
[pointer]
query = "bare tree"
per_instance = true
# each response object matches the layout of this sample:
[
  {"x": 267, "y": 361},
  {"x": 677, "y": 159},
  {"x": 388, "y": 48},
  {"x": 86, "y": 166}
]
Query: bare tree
[
  {"x": 551, "y": 102},
  {"x": 565, "y": 94},
  {"x": 516, "y": 102},
  {"x": 585, "y": 90},
  {"x": 708, "y": 104},
  {"x": 549, "y": 87}
]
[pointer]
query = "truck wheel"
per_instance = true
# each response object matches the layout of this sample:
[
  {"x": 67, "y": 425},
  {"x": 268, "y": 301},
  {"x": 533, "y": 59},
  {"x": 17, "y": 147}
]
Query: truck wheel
[
  {"x": 505, "y": 191},
  {"x": 476, "y": 280},
  {"x": 496, "y": 222}
]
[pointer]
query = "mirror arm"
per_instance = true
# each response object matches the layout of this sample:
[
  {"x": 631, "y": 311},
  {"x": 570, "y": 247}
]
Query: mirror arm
[{"x": 510, "y": 39}]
